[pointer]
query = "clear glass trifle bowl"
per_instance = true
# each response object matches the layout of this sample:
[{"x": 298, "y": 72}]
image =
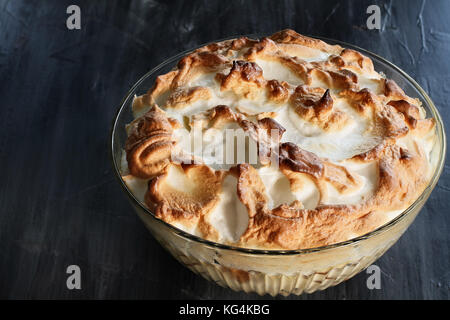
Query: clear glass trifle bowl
[{"x": 278, "y": 271}]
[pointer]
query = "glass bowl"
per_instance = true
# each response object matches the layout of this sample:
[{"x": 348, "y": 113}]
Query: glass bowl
[{"x": 278, "y": 271}]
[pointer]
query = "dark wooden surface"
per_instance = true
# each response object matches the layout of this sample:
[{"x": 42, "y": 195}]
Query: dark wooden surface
[{"x": 59, "y": 90}]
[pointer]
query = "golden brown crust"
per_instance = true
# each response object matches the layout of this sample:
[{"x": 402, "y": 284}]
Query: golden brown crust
[
  {"x": 267, "y": 134},
  {"x": 292, "y": 37},
  {"x": 321, "y": 86},
  {"x": 181, "y": 98},
  {"x": 288, "y": 227},
  {"x": 190, "y": 204},
  {"x": 354, "y": 59},
  {"x": 315, "y": 105},
  {"x": 243, "y": 79},
  {"x": 149, "y": 144},
  {"x": 299, "y": 160},
  {"x": 278, "y": 91}
]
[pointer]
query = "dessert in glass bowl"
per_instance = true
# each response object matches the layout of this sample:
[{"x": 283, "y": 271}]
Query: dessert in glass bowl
[{"x": 280, "y": 164}]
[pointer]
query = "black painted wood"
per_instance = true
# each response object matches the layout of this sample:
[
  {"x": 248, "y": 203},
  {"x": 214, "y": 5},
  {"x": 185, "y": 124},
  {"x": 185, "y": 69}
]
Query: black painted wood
[{"x": 59, "y": 89}]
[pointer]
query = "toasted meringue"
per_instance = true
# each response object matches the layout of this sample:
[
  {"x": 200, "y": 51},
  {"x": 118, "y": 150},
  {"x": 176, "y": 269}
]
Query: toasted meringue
[{"x": 341, "y": 150}]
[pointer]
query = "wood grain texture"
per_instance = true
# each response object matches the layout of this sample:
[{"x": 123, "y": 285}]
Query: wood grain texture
[{"x": 60, "y": 203}]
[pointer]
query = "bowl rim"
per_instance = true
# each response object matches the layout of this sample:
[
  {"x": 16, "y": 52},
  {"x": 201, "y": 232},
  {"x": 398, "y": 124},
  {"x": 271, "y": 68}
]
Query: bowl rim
[{"x": 440, "y": 131}]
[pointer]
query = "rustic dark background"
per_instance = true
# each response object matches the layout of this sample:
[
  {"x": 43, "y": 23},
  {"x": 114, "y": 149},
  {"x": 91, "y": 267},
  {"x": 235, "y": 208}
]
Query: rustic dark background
[{"x": 59, "y": 90}]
